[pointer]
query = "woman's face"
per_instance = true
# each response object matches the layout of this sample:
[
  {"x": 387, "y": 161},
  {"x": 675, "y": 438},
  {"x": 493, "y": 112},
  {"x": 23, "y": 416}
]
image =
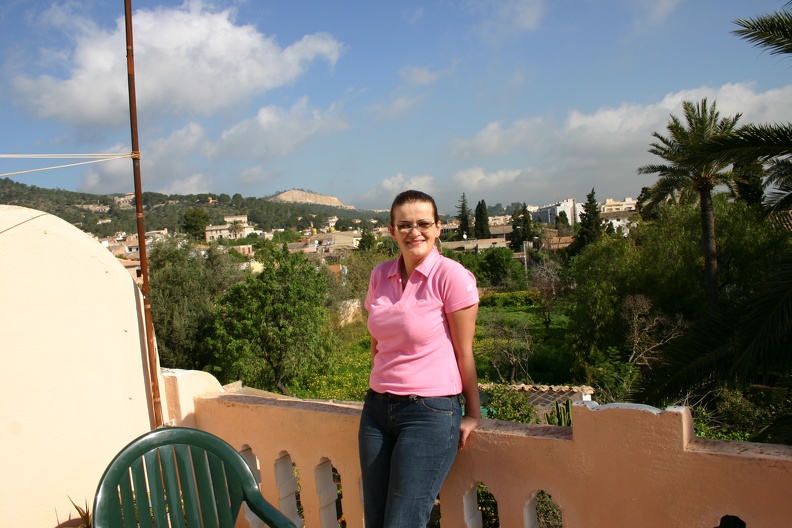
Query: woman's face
[{"x": 418, "y": 240}]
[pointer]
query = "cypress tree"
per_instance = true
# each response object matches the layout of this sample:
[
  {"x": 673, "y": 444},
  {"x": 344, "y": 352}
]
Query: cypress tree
[{"x": 481, "y": 229}]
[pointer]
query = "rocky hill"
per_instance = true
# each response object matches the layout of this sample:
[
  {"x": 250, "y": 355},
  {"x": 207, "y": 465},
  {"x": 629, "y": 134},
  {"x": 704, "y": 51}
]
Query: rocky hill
[{"x": 309, "y": 197}]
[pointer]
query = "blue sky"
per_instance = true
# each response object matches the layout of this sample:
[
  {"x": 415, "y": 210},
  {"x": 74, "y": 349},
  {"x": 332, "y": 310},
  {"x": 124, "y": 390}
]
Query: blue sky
[{"x": 505, "y": 100}]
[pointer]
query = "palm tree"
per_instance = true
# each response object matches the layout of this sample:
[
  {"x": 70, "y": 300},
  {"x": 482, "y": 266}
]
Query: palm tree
[
  {"x": 768, "y": 143},
  {"x": 753, "y": 340},
  {"x": 686, "y": 174},
  {"x": 236, "y": 227}
]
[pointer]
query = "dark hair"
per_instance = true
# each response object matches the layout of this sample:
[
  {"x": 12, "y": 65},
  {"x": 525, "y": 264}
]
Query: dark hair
[{"x": 410, "y": 197}]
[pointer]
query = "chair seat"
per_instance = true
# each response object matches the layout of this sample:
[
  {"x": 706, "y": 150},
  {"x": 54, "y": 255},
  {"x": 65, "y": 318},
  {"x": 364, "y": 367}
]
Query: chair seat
[{"x": 179, "y": 477}]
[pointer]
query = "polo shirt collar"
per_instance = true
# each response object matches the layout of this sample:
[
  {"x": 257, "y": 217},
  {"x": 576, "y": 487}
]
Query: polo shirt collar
[{"x": 423, "y": 268}]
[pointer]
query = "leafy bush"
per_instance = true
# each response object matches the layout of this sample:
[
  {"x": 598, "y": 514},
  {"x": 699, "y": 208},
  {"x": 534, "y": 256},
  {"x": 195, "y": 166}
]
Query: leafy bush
[
  {"x": 514, "y": 299},
  {"x": 502, "y": 403}
]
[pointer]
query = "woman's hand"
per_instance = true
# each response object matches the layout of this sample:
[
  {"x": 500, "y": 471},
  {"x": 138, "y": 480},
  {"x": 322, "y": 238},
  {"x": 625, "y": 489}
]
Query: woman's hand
[{"x": 468, "y": 425}]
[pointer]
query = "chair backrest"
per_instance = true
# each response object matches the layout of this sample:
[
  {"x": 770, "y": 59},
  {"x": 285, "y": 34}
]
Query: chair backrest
[{"x": 177, "y": 476}]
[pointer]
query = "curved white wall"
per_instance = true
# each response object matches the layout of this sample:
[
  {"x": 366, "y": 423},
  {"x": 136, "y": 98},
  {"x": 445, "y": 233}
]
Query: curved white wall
[{"x": 73, "y": 381}]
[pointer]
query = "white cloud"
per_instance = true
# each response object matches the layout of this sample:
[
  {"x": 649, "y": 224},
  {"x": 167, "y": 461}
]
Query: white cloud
[
  {"x": 600, "y": 149},
  {"x": 650, "y": 13},
  {"x": 419, "y": 75},
  {"x": 401, "y": 182},
  {"x": 495, "y": 140},
  {"x": 390, "y": 187},
  {"x": 192, "y": 184},
  {"x": 276, "y": 131},
  {"x": 165, "y": 163},
  {"x": 189, "y": 60},
  {"x": 110, "y": 177},
  {"x": 256, "y": 175},
  {"x": 503, "y": 17},
  {"x": 413, "y": 15},
  {"x": 476, "y": 178},
  {"x": 396, "y": 108}
]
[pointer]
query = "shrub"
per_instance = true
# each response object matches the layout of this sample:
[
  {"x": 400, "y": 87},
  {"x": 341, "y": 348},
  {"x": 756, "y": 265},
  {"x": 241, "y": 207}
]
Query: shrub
[
  {"x": 502, "y": 403},
  {"x": 515, "y": 299}
]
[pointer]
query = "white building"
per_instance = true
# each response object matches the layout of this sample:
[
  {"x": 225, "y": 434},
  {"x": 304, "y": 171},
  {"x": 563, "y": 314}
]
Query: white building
[{"x": 547, "y": 214}]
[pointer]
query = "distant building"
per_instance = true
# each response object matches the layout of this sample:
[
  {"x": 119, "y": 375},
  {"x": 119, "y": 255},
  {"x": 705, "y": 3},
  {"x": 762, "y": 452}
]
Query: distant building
[
  {"x": 615, "y": 206},
  {"x": 334, "y": 242},
  {"x": 499, "y": 220},
  {"x": 547, "y": 214},
  {"x": 124, "y": 202},
  {"x": 224, "y": 230}
]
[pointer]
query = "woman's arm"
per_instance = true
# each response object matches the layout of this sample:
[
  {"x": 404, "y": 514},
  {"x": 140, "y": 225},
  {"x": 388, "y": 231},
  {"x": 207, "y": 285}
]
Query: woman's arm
[
  {"x": 373, "y": 348},
  {"x": 462, "y": 324}
]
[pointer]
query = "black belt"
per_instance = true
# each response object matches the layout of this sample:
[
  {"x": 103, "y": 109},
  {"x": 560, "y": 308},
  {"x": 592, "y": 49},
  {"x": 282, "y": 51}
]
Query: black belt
[{"x": 387, "y": 396}]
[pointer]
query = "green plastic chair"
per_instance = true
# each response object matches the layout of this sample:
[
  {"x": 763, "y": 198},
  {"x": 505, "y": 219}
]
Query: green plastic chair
[{"x": 179, "y": 477}]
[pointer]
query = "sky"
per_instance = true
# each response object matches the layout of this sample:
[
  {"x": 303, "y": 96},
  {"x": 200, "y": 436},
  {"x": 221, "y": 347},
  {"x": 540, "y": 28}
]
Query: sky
[{"x": 507, "y": 101}]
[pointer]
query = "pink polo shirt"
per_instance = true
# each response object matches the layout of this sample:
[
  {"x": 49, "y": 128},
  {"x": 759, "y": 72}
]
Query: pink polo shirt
[{"x": 414, "y": 350}]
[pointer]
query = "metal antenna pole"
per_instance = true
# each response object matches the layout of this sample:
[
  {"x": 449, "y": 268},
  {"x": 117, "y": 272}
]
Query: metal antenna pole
[{"x": 154, "y": 393}]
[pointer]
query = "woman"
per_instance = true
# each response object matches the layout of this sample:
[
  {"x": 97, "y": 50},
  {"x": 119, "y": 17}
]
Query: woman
[{"x": 422, "y": 316}]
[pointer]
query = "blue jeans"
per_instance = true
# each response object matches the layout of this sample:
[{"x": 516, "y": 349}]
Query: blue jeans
[{"x": 407, "y": 445}]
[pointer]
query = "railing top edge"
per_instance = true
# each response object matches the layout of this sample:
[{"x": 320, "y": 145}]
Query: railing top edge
[{"x": 294, "y": 403}]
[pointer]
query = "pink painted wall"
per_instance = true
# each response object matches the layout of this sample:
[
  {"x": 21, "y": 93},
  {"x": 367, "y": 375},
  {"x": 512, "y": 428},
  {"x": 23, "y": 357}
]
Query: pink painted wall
[{"x": 619, "y": 466}]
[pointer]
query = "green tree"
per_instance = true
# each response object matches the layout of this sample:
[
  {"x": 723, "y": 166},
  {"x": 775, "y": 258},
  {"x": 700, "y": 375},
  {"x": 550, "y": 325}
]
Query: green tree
[
  {"x": 562, "y": 224},
  {"x": 748, "y": 182},
  {"x": 463, "y": 216},
  {"x": 497, "y": 267},
  {"x": 272, "y": 330},
  {"x": 687, "y": 173},
  {"x": 752, "y": 339},
  {"x": 590, "y": 228},
  {"x": 194, "y": 222},
  {"x": 522, "y": 228},
  {"x": 481, "y": 229},
  {"x": 286, "y": 237},
  {"x": 184, "y": 284},
  {"x": 344, "y": 224},
  {"x": 367, "y": 241}
]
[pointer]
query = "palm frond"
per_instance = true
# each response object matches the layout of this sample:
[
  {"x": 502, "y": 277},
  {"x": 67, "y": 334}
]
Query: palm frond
[
  {"x": 780, "y": 199},
  {"x": 777, "y": 432},
  {"x": 767, "y": 327},
  {"x": 749, "y": 143},
  {"x": 779, "y": 172},
  {"x": 741, "y": 344},
  {"x": 697, "y": 361},
  {"x": 772, "y": 32}
]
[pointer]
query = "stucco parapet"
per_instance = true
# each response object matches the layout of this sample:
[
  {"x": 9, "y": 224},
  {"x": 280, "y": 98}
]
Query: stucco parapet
[
  {"x": 671, "y": 428},
  {"x": 235, "y": 398},
  {"x": 501, "y": 427},
  {"x": 740, "y": 449},
  {"x": 181, "y": 389}
]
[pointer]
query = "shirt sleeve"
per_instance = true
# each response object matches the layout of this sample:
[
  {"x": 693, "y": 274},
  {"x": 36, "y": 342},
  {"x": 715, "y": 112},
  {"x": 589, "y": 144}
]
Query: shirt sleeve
[{"x": 459, "y": 287}]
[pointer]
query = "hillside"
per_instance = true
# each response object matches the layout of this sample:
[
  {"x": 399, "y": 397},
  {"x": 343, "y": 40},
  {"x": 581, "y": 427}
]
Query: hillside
[
  {"x": 103, "y": 215},
  {"x": 296, "y": 196}
]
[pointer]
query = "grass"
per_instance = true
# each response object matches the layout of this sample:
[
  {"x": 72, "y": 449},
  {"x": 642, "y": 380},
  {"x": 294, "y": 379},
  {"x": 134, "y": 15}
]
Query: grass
[{"x": 549, "y": 364}]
